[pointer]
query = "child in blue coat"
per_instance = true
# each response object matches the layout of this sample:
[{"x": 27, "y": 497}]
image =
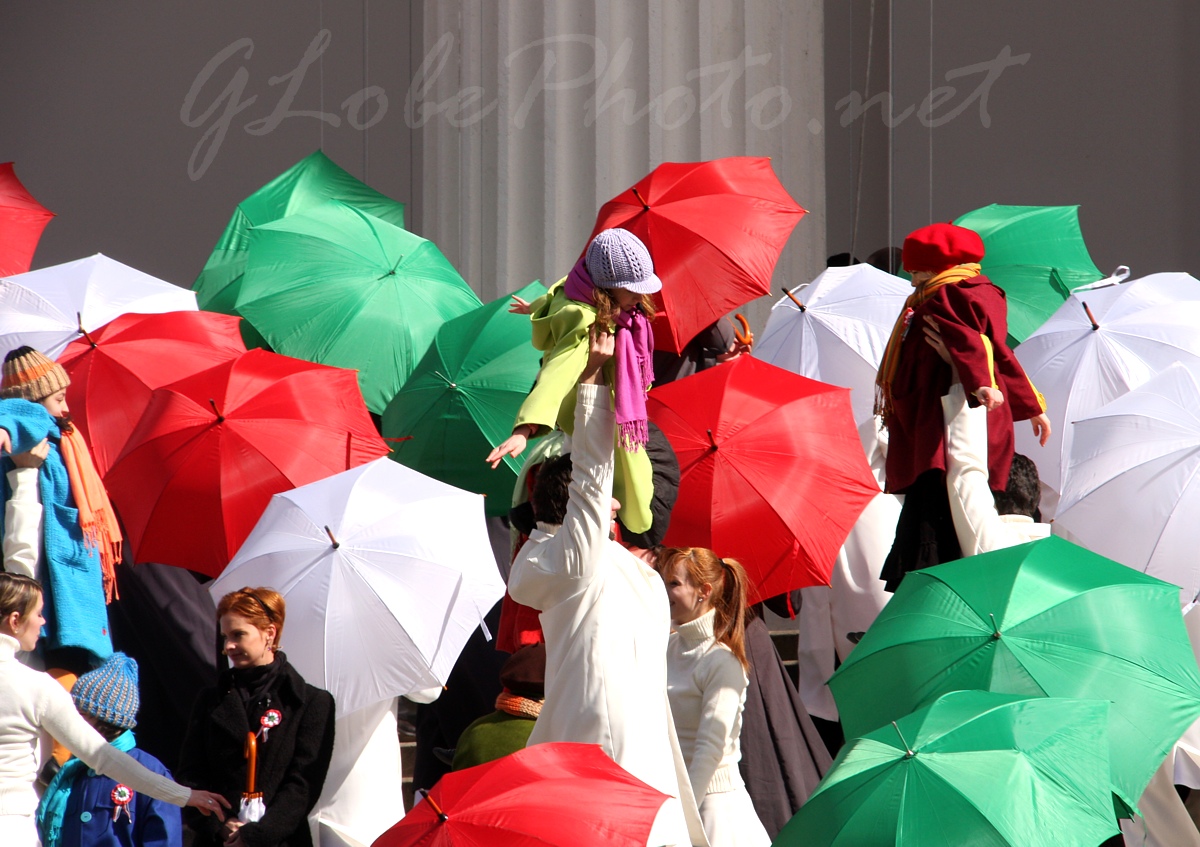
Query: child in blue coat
[{"x": 84, "y": 809}]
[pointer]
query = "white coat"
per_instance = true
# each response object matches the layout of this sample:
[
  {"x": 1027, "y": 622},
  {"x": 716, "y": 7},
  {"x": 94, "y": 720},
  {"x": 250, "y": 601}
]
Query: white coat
[{"x": 605, "y": 617}]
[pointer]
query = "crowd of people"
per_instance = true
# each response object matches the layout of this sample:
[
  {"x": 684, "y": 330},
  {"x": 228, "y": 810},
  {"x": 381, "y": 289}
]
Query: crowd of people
[{"x": 651, "y": 652}]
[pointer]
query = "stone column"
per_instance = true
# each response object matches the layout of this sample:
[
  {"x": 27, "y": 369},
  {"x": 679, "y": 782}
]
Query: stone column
[{"x": 528, "y": 116}]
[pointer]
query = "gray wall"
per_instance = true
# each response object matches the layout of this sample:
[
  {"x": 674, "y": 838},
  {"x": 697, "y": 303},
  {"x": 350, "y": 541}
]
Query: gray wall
[
  {"x": 1102, "y": 113},
  {"x": 95, "y": 110}
]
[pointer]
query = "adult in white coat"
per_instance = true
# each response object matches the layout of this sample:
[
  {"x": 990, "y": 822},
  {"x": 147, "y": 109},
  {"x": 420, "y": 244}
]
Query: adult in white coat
[{"x": 605, "y": 618}]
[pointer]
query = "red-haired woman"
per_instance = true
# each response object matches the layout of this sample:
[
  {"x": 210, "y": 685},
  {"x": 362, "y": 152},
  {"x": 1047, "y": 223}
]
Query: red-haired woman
[
  {"x": 706, "y": 684},
  {"x": 260, "y": 692}
]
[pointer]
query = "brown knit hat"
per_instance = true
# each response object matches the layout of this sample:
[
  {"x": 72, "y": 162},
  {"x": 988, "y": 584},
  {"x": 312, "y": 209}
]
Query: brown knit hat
[{"x": 30, "y": 375}]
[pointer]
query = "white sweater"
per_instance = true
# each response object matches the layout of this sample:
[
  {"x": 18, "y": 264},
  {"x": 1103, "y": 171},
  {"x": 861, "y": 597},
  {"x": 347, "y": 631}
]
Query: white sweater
[
  {"x": 31, "y": 705},
  {"x": 706, "y": 685}
]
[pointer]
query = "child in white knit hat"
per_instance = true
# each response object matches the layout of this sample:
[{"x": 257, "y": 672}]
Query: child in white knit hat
[
  {"x": 84, "y": 809},
  {"x": 612, "y": 285}
]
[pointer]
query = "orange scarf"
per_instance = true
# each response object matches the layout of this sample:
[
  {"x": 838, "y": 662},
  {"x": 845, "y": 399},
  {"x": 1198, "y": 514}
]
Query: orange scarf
[
  {"x": 96, "y": 517},
  {"x": 891, "y": 354},
  {"x": 518, "y": 706}
]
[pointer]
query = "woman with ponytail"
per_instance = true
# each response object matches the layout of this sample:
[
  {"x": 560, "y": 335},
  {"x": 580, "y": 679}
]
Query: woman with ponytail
[{"x": 706, "y": 684}]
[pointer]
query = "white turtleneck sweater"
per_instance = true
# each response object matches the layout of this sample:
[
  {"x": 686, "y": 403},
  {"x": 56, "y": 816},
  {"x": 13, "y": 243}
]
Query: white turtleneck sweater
[
  {"x": 706, "y": 685},
  {"x": 31, "y": 705}
]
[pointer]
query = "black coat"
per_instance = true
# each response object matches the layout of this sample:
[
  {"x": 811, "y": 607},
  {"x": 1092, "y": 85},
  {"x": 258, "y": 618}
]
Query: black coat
[
  {"x": 783, "y": 756},
  {"x": 292, "y": 762}
]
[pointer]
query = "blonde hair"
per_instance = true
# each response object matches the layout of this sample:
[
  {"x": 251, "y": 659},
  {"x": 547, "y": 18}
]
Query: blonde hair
[
  {"x": 606, "y": 305},
  {"x": 729, "y": 591},
  {"x": 18, "y": 593},
  {"x": 260, "y": 606}
]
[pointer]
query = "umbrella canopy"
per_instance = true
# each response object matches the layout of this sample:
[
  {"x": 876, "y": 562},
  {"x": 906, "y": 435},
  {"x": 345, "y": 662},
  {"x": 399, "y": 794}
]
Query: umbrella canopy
[
  {"x": 114, "y": 369},
  {"x": 1098, "y": 345},
  {"x": 974, "y": 768},
  {"x": 22, "y": 220},
  {"x": 1134, "y": 464},
  {"x": 310, "y": 182},
  {"x": 461, "y": 400},
  {"x": 342, "y": 287},
  {"x": 544, "y": 795},
  {"x": 835, "y": 330},
  {"x": 49, "y": 307},
  {"x": 393, "y": 570},
  {"x": 715, "y": 231},
  {"x": 212, "y": 448},
  {"x": 772, "y": 472},
  {"x": 1037, "y": 255},
  {"x": 1040, "y": 619}
]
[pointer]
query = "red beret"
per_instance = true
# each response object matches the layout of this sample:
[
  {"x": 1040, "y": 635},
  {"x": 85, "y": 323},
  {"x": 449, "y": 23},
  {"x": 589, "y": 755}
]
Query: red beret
[{"x": 937, "y": 247}]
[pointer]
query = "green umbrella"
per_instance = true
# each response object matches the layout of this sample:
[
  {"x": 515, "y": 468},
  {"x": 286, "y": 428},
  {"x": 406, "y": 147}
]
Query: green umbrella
[
  {"x": 1047, "y": 619},
  {"x": 312, "y": 181},
  {"x": 339, "y": 286},
  {"x": 461, "y": 400},
  {"x": 1037, "y": 255},
  {"x": 973, "y": 768}
]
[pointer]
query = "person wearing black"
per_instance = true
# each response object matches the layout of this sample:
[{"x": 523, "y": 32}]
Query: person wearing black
[{"x": 294, "y": 722}]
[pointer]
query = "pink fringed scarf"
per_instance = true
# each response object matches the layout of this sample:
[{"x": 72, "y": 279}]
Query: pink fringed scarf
[{"x": 634, "y": 365}]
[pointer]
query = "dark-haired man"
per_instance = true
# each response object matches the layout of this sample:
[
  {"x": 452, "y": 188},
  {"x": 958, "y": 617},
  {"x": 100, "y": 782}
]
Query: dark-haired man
[{"x": 604, "y": 614}]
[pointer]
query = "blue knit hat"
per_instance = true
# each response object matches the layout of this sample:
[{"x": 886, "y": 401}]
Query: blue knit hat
[{"x": 110, "y": 692}]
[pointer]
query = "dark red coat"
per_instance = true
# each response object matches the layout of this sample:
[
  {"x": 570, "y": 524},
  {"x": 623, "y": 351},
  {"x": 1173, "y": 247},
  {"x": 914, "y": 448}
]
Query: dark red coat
[{"x": 970, "y": 314}]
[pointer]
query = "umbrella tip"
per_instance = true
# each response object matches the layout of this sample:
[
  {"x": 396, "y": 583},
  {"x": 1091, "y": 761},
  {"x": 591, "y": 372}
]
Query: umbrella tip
[
  {"x": 712, "y": 440},
  {"x": 332, "y": 540},
  {"x": 1090, "y": 316},
  {"x": 794, "y": 299},
  {"x": 216, "y": 411}
]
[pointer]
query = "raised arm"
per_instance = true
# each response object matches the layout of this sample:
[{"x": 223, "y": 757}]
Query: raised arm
[
  {"x": 575, "y": 549},
  {"x": 23, "y": 513},
  {"x": 976, "y": 521}
]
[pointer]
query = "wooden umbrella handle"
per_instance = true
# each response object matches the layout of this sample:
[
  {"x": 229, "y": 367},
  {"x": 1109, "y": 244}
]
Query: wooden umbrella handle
[{"x": 251, "y": 754}]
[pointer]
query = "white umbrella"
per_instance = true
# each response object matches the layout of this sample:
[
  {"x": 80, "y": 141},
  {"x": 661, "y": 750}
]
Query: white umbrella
[
  {"x": 44, "y": 308},
  {"x": 1140, "y": 328},
  {"x": 1132, "y": 489},
  {"x": 835, "y": 330},
  {"x": 386, "y": 573}
]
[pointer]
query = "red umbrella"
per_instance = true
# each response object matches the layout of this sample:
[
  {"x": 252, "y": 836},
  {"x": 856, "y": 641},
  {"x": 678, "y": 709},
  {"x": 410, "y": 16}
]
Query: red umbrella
[
  {"x": 22, "y": 220},
  {"x": 544, "y": 795},
  {"x": 114, "y": 369},
  {"x": 772, "y": 472},
  {"x": 212, "y": 448},
  {"x": 715, "y": 230}
]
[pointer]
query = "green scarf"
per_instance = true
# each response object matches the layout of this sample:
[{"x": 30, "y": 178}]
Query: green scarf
[{"x": 53, "y": 807}]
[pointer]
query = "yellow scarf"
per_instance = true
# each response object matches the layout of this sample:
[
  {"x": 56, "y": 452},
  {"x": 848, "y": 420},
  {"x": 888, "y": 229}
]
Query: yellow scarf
[{"x": 891, "y": 354}]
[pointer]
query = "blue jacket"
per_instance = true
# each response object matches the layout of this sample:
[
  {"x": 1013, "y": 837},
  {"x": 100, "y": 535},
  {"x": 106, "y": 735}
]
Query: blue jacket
[
  {"x": 70, "y": 570},
  {"x": 88, "y": 820}
]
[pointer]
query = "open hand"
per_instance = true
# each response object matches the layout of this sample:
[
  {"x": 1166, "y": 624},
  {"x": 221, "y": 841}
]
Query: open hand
[
  {"x": 519, "y": 306},
  {"x": 514, "y": 445},
  {"x": 1041, "y": 428},
  {"x": 208, "y": 803}
]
